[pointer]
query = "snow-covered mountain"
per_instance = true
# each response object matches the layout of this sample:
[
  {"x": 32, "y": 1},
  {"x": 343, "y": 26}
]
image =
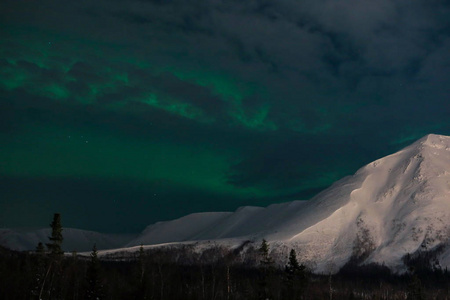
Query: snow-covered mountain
[
  {"x": 396, "y": 205},
  {"x": 74, "y": 239}
]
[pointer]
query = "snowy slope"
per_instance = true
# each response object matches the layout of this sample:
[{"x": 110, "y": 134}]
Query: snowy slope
[
  {"x": 183, "y": 229},
  {"x": 396, "y": 205},
  {"x": 74, "y": 239}
]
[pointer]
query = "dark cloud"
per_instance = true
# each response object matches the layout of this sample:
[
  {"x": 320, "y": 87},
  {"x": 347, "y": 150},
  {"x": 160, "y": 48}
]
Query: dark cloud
[
  {"x": 84, "y": 72},
  {"x": 170, "y": 85},
  {"x": 313, "y": 55}
]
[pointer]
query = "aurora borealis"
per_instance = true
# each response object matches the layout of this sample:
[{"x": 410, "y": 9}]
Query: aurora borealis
[{"x": 119, "y": 114}]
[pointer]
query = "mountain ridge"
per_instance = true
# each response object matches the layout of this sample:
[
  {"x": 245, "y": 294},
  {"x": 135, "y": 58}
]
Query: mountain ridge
[{"x": 393, "y": 206}]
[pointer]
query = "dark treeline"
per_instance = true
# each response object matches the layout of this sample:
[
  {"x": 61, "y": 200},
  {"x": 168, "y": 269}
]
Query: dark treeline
[
  {"x": 212, "y": 272},
  {"x": 215, "y": 273}
]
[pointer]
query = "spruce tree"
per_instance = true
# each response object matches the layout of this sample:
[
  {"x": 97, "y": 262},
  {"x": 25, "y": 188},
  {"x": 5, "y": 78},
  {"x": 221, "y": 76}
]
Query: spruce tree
[
  {"x": 266, "y": 270},
  {"x": 295, "y": 279},
  {"x": 94, "y": 287},
  {"x": 263, "y": 250},
  {"x": 56, "y": 238},
  {"x": 51, "y": 285}
]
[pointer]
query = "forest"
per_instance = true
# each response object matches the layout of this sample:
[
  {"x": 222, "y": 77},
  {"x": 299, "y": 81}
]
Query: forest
[{"x": 217, "y": 272}]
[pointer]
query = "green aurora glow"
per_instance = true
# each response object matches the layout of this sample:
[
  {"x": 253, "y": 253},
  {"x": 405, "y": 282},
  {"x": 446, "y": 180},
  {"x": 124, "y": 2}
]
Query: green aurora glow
[{"x": 161, "y": 118}]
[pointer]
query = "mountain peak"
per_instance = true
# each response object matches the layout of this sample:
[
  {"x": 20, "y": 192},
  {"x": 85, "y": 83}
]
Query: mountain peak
[{"x": 436, "y": 141}]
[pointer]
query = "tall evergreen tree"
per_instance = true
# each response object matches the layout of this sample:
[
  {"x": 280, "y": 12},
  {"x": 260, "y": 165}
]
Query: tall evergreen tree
[
  {"x": 295, "y": 280},
  {"x": 51, "y": 284},
  {"x": 266, "y": 270},
  {"x": 94, "y": 286},
  {"x": 56, "y": 238},
  {"x": 263, "y": 250}
]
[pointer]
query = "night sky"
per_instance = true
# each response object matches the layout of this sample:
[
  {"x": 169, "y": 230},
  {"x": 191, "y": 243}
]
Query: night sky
[{"x": 118, "y": 114}]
